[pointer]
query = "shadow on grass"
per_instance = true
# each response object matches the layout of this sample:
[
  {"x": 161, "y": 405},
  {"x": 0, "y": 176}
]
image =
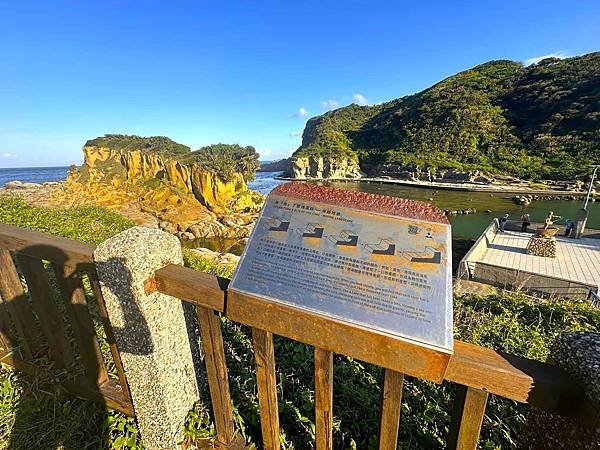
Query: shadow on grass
[
  {"x": 53, "y": 356},
  {"x": 47, "y": 418}
]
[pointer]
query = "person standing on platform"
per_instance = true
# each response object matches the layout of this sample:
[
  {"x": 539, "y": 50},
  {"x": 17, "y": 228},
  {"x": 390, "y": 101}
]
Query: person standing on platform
[
  {"x": 569, "y": 225},
  {"x": 526, "y": 222},
  {"x": 503, "y": 221}
]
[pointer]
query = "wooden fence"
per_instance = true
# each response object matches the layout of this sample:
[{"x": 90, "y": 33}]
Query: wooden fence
[
  {"x": 33, "y": 267},
  {"x": 477, "y": 371}
]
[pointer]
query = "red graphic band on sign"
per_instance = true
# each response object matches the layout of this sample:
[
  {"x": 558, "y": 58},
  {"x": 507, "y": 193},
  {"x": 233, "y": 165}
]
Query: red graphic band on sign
[{"x": 392, "y": 206}]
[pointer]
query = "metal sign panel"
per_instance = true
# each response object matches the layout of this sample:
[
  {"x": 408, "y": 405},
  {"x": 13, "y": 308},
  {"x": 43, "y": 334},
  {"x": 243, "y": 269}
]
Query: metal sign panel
[{"x": 386, "y": 272}]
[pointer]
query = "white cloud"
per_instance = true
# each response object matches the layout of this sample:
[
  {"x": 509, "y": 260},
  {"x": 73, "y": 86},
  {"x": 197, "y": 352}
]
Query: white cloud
[
  {"x": 295, "y": 133},
  {"x": 265, "y": 152},
  {"x": 301, "y": 112},
  {"x": 536, "y": 59},
  {"x": 9, "y": 155},
  {"x": 360, "y": 99},
  {"x": 329, "y": 104}
]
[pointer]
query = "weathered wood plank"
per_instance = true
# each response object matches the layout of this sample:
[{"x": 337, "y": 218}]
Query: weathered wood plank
[
  {"x": 391, "y": 402},
  {"x": 199, "y": 288},
  {"x": 527, "y": 381},
  {"x": 16, "y": 305},
  {"x": 467, "y": 417},
  {"x": 82, "y": 325},
  {"x": 49, "y": 315},
  {"x": 324, "y": 398},
  {"x": 216, "y": 369},
  {"x": 264, "y": 356},
  {"x": 336, "y": 336},
  {"x": 7, "y": 339},
  {"x": 55, "y": 249},
  {"x": 109, "y": 394},
  {"x": 110, "y": 336}
]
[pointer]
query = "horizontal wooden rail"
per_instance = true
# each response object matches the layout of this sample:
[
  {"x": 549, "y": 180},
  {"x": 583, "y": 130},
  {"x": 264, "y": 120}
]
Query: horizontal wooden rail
[
  {"x": 109, "y": 393},
  {"x": 199, "y": 288},
  {"x": 55, "y": 249}
]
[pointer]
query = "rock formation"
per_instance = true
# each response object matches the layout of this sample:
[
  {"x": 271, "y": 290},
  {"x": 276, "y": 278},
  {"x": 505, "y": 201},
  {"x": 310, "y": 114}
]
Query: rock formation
[
  {"x": 304, "y": 167},
  {"x": 182, "y": 194}
]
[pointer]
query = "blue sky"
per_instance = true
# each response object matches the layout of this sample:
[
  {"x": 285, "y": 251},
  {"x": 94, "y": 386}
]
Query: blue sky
[{"x": 243, "y": 72}]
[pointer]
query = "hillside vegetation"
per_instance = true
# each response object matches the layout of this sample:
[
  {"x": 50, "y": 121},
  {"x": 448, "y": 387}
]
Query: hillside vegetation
[
  {"x": 222, "y": 159},
  {"x": 535, "y": 122}
]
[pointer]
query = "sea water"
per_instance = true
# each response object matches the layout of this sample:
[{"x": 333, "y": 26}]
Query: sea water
[{"x": 33, "y": 174}]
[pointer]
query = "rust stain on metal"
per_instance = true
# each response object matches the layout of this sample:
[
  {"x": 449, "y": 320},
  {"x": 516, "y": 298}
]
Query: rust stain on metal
[{"x": 394, "y": 206}]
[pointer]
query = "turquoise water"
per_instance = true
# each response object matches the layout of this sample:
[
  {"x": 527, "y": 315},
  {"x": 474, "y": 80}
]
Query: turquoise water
[{"x": 265, "y": 182}]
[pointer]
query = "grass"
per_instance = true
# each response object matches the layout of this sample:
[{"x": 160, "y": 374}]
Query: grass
[
  {"x": 35, "y": 413},
  {"x": 91, "y": 224}
]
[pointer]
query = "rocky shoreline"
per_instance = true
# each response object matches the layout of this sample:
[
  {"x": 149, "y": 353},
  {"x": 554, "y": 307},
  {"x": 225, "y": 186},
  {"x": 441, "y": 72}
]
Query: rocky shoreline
[
  {"x": 525, "y": 200},
  {"x": 58, "y": 194}
]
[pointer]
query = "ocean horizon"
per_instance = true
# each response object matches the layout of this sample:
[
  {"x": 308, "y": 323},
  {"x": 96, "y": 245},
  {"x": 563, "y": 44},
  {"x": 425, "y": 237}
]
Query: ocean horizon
[{"x": 32, "y": 174}]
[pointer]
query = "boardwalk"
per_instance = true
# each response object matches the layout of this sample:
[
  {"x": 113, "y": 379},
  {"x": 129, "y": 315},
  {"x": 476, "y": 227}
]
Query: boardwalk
[{"x": 578, "y": 260}]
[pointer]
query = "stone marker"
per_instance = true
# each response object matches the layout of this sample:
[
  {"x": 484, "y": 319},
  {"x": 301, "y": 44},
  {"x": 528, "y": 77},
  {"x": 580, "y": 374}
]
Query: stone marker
[
  {"x": 150, "y": 331},
  {"x": 578, "y": 354}
]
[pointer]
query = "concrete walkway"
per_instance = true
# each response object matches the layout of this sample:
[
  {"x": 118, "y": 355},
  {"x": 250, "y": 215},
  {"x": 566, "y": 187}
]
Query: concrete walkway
[{"x": 577, "y": 260}]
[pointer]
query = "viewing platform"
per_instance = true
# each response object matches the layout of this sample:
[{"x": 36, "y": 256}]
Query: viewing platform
[{"x": 501, "y": 259}]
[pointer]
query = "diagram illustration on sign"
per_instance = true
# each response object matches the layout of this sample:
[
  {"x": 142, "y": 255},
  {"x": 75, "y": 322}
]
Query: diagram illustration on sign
[
  {"x": 386, "y": 268},
  {"x": 383, "y": 247},
  {"x": 345, "y": 239},
  {"x": 312, "y": 230}
]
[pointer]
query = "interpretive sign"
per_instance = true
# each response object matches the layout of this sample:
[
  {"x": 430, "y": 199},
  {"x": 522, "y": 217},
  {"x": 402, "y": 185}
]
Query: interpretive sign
[{"x": 375, "y": 261}]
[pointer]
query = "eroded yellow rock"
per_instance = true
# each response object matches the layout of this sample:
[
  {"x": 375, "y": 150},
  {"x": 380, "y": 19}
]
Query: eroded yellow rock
[{"x": 171, "y": 191}]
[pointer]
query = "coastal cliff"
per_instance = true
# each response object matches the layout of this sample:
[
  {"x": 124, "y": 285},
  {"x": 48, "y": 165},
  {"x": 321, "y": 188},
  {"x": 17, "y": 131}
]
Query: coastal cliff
[
  {"x": 184, "y": 191},
  {"x": 306, "y": 167}
]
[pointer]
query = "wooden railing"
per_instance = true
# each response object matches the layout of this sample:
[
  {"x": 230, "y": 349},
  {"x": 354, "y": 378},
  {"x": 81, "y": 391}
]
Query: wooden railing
[
  {"x": 34, "y": 325},
  {"x": 477, "y": 370}
]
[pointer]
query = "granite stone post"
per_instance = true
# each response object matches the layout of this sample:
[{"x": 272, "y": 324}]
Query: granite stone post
[
  {"x": 578, "y": 354},
  {"x": 150, "y": 332}
]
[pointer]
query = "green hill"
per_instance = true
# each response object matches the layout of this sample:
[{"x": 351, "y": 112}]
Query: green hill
[{"x": 540, "y": 121}]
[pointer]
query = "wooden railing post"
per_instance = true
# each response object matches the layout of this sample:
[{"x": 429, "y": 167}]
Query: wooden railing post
[
  {"x": 216, "y": 369},
  {"x": 70, "y": 285},
  {"x": 391, "y": 402},
  {"x": 467, "y": 417},
  {"x": 14, "y": 301},
  {"x": 324, "y": 398},
  {"x": 47, "y": 310},
  {"x": 110, "y": 337},
  {"x": 264, "y": 356}
]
